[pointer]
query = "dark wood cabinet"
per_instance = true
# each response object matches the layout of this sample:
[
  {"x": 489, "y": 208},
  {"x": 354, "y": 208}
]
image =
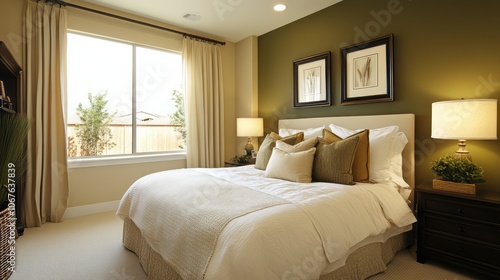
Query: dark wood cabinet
[
  {"x": 10, "y": 75},
  {"x": 460, "y": 229}
]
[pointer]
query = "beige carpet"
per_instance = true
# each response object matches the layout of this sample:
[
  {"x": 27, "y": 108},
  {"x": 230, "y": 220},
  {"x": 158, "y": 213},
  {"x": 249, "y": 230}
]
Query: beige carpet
[
  {"x": 405, "y": 267},
  {"x": 79, "y": 248},
  {"x": 90, "y": 248}
]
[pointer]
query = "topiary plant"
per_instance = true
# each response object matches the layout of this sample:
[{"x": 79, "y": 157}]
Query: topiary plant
[
  {"x": 241, "y": 159},
  {"x": 13, "y": 132},
  {"x": 459, "y": 170}
]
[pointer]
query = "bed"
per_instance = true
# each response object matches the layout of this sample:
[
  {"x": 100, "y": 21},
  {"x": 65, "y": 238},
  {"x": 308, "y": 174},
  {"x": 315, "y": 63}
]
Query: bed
[{"x": 252, "y": 222}]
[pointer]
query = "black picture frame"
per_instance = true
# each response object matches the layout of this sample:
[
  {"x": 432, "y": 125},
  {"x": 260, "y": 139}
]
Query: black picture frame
[
  {"x": 367, "y": 71},
  {"x": 312, "y": 81}
]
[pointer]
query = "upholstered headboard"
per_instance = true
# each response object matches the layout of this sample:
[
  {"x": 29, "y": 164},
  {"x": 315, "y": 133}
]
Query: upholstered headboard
[{"x": 406, "y": 123}]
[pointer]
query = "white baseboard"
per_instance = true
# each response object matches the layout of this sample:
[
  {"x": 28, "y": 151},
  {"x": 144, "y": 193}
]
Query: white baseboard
[{"x": 85, "y": 210}]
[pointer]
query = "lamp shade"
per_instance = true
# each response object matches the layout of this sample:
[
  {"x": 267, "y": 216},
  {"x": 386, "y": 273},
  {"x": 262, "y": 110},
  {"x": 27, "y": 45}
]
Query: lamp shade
[
  {"x": 249, "y": 127},
  {"x": 467, "y": 119}
]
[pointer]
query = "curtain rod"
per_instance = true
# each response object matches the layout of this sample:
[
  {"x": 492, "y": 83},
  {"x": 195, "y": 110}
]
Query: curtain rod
[{"x": 192, "y": 36}]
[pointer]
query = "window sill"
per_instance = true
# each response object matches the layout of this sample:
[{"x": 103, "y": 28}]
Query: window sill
[{"x": 124, "y": 159}]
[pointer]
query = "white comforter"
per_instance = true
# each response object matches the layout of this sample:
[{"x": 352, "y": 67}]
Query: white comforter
[{"x": 298, "y": 240}]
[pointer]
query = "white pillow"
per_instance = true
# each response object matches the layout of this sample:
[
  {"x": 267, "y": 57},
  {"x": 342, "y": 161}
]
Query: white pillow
[
  {"x": 295, "y": 167},
  {"x": 396, "y": 166},
  {"x": 308, "y": 133},
  {"x": 381, "y": 149}
]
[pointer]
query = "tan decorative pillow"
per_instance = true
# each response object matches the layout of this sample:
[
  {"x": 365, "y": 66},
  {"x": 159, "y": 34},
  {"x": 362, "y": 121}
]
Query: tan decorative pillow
[
  {"x": 295, "y": 167},
  {"x": 266, "y": 148},
  {"x": 361, "y": 164},
  {"x": 290, "y": 139},
  {"x": 302, "y": 146},
  {"x": 333, "y": 161}
]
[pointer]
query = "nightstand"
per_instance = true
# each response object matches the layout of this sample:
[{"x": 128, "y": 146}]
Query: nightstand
[
  {"x": 235, "y": 164},
  {"x": 461, "y": 229}
]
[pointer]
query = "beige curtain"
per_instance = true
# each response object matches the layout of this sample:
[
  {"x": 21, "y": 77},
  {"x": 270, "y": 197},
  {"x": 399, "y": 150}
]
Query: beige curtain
[
  {"x": 46, "y": 193},
  {"x": 202, "y": 64}
]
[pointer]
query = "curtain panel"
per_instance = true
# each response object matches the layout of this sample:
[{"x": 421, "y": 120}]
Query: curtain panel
[
  {"x": 46, "y": 194},
  {"x": 202, "y": 66}
]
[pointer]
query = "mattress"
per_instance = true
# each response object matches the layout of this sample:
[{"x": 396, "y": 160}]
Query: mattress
[{"x": 314, "y": 227}]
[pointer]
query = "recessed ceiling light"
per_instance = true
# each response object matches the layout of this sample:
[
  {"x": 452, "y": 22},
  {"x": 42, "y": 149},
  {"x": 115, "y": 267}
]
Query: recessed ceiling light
[{"x": 279, "y": 7}]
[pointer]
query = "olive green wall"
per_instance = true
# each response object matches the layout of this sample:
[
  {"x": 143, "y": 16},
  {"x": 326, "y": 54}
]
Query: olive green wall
[{"x": 443, "y": 50}]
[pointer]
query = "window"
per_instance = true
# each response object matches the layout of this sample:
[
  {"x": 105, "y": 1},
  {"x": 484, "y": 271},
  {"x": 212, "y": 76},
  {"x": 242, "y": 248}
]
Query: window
[{"x": 122, "y": 98}]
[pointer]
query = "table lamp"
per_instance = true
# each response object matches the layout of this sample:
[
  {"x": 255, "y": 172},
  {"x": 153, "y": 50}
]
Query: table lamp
[
  {"x": 249, "y": 127},
  {"x": 464, "y": 119}
]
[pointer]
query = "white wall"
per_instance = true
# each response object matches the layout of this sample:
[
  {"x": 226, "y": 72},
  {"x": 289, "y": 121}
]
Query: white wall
[{"x": 246, "y": 102}]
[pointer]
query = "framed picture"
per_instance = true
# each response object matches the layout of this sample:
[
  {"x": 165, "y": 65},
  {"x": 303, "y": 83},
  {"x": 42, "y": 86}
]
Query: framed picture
[
  {"x": 311, "y": 81},
  {"x": 367, "y": 71}
]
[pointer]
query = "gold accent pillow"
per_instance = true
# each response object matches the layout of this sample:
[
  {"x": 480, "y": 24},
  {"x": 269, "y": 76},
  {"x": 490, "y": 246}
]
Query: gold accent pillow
[
  {"x": 333, "y": 161},
  {"x": 298, "y": 137},
  {"x": 361, "y": 164},
  {"x": 266, "y": 148}
]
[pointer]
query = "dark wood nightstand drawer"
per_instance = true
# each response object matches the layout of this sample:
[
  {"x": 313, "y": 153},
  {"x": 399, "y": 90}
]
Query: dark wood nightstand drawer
[
  {"x": 472, "y": 252},
  {"x": 460, "y": 208},
  {"x": 458, "y": 228}
]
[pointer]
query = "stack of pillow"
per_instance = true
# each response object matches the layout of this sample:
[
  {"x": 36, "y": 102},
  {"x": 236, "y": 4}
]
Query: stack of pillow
[{"x": 336, "y": 155}]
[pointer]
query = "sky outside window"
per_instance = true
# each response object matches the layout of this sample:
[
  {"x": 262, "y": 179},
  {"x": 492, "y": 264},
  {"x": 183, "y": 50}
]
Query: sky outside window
[{"x": 98, "y": 65}]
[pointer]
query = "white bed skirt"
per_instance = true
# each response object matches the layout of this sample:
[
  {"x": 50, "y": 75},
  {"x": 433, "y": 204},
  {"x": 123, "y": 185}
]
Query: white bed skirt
[{"x": 364, "y": 262}]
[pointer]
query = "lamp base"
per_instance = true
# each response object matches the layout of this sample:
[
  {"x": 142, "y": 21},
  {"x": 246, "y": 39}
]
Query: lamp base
[
  {"x": 249, "y": 148},
  {"x": 462, "y": 152}
]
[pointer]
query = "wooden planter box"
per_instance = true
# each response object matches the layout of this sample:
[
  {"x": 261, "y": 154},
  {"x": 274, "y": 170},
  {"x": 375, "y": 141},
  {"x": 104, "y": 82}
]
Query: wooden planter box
[{"x": 453, "y": 187}]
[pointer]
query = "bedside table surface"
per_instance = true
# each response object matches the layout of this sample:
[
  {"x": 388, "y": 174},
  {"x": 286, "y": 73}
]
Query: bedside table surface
[
  {"x": 481, "y": 195},
  {"x": 233, "y": 163}
]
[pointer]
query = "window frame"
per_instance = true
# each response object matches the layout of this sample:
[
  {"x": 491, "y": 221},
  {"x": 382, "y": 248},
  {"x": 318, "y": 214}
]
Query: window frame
[
  {"x": 108, "y": 160},
  {"x": 134, "y": 157}
]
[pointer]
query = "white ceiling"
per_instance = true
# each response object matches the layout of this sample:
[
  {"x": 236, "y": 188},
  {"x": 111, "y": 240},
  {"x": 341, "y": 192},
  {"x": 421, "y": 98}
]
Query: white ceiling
[{"x": 230, "y": 20}]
